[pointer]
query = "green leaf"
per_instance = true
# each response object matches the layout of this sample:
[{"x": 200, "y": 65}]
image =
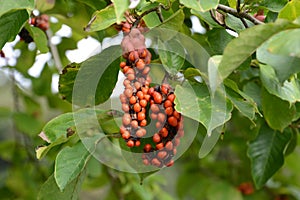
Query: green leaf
[
  {"x": 197, "y": 103},
  {"x": 27, "y": 124},
  {"x": 286, "y": 43},
  {"x": 44, "y": 5},
  {"x": 172, "y": 56},
  {"x": 209, "y": 142},
  {"x": 120, "y": 7},
  {"x": 8, "y": 5},
  {"x": 240, "y": 100},
  {"x": 26, "y": 59},
  {"x": 174, "y": 22},
  {"x": 102, "y": 19},
  {"x": 69, "y": 164},
  {"x": 41, "y": 151},
  {"x": 205, "y": 16},
  {"x": 235, "y": 23},
  {"x": 291, "y": 11},
  {"x": 284, "y": 66},
  {"x": 266, "y": 153},
  {"x": 277, "y": 112},
  {"x": 39, "y": 38},
  {"x": 50, "y": 190},
  {"x": 56, "y": 129},
  {"x": 289, "y": 90},
  {"x": 274, "y": 5},
  {"x": 239, "y": 49},
  {"x": 96, "y": 5},
  {"x": 223, "y": 190},
  {"x": 10, "y": 25},
  {"x": 42, "y": 85},
  {"x": 94, "y": 82},
  {"x": 218, "y": 39},
  {"x": 200, "y": 5}
]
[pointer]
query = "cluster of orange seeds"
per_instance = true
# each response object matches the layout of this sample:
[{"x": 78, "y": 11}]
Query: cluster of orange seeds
[{"x": 140, "y": 102}]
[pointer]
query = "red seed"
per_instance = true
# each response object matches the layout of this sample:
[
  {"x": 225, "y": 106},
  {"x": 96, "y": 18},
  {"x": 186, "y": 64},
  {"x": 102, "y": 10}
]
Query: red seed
[
  {"x": 126, "y": 82},
  {"x": 134, "y": 124},
  {"x": 143, "y": 53},
  {"x": 169, "y": 111},
  {"x": 140, "y": 64},
  {"x": 158, "y": 125},
  {"x": 153, "y": 116},
  {"x": 143, "y": 123},
  {"x": 170, "y": 163},
  {"x": 130, "y": 143},
  {"x": 171, "y": 97},
  {"x": 174, "y": 151},
  {"x": 140, "y": 95},
  {"x": 122, "y": 65},
  {"x": 165, "y": 88},
  {"x": 130, "y": 77},
  {"x": 147, "y": 147},
  {"x": 137, "y": 107},
  {"x": 131, "y": 56},
  {"x": 123, "y": 98},
  {"x": 141, "y": 116},
  {"x": 159, "y": 146},
  {"x": 147, "y": 97},
  {"x": 164, "y": 132},
  {"x": 132, "y": 100},
  {"x": 162, "y": 154},
  {"x": 157, "y": 97},
  {"x": 122, "y": 129},
  {"x": 137, "y": 143},
  {"x": 140, "y": 133},
  {"x": 128, "y": 92},
  {"x": 168, "y": 103},
  {"x": 161, "y": 117},
  {"x": 137, "y": 85},
  {"x": 146, "y": 162},
  {"x": 169, "y": 145},
  {"x": 126, "y": 135},
  {"x": 156, "y": 138},
  {"x": 151, "y": 91},
  {"x": 125, "y": 69},
  {"x": 176, "y": 142},
  {"x": 145, "y": 90},
  {"x": 125, "y": 107},
  {"x": 143, "y": 102},
  {"x": 146, "y": 70},
  {"x": 154, "y": 108},
  {"x": 155, "y": 162},
  {"x": 176, "y": 114},
  {"x": 172, "y": 121},
  {"x": 126, "y": 119}
]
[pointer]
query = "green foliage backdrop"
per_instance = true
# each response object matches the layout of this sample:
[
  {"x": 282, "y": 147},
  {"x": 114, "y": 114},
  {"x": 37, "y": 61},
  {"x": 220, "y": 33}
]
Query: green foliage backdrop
[{"x": 247, "y": 149}]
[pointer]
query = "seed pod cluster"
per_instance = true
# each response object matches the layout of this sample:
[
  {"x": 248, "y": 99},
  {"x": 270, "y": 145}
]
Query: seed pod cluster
[
  {"x": 140, "y": 100},
  {"x": 169, "y": 124},
  {"x": 135, "y": 97}
]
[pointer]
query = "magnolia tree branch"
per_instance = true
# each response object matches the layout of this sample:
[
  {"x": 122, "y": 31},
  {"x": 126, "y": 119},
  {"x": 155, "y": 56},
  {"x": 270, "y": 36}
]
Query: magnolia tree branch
[{"x": 241, "y": 15}]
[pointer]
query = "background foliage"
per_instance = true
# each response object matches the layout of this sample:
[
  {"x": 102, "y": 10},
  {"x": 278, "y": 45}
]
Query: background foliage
[{"x": 257, "y": 154}]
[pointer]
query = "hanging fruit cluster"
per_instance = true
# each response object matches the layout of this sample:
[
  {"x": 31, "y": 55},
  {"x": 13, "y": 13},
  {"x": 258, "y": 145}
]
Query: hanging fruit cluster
[
  {"x": 41, "y": 22},
  {"x": 139, "y": 101}
]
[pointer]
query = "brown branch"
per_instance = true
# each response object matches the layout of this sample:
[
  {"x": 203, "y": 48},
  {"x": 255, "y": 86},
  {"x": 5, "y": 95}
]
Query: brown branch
[
  {"x": 237, "y": 14},
  {"x": 218, "y": 22},
  {"x": 54, "y": 52}
]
